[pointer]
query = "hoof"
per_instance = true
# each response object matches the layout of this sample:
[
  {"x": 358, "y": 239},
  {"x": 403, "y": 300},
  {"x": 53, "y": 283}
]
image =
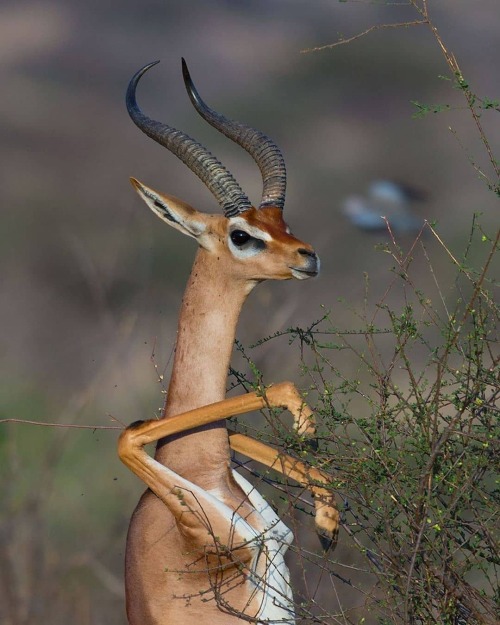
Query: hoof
[{"x": 328, "y": 540}]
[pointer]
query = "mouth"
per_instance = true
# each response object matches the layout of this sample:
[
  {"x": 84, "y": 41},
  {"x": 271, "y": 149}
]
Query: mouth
[{"x": 303, "y": 274}]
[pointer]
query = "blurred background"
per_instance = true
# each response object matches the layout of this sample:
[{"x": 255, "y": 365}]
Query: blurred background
[{"x": 91, "y": 281}]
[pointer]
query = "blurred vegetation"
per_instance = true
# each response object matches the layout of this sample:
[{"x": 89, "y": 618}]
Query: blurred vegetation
[
  {"x": 411, "y": 440},
  {"x": 411, "y": 436},
  {"x": 404, "y": 377}
]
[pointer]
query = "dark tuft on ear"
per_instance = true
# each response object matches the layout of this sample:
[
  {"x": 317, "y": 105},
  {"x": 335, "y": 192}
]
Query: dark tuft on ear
[{"x": 164, "y": 210}]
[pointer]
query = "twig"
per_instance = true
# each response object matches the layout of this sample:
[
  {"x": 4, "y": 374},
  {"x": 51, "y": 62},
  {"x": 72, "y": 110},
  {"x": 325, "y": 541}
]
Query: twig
[
  {"x": 63, "y": 425},
  {"x": 343, "y": 40}
]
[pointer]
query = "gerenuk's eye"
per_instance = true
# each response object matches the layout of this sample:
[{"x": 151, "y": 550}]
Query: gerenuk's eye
[{"x": 239, "y": 237}]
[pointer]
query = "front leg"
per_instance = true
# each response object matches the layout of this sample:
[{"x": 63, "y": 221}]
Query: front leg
[
  {"x": 216, "y": 536},
  {"x": 327, "y": 516},
  {"x": 286, "y": 395},
  {"x": 190, "y": 505}
]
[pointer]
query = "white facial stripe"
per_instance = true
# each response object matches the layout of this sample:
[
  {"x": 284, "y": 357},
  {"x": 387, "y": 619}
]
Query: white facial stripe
[{"x": 237, "y": 223}]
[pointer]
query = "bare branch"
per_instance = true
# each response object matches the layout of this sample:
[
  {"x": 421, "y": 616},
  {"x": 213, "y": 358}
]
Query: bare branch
[
  {"x": 343, "y": 40},
  {"x": 63, "y": 425}
]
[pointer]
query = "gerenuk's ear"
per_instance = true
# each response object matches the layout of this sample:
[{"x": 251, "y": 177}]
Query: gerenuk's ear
[{"x": 172, "y": 211}]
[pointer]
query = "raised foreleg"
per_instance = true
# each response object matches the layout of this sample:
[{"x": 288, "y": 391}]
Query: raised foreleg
[
  {"x": 314, "y": 480},
  {"x": 191, "y": 506},
  {"x": 212, "y": 530},
  {"x": 286, "y": 395}
]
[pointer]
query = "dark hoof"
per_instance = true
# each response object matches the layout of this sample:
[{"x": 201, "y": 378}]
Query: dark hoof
[{"x": 327, "y": 540}]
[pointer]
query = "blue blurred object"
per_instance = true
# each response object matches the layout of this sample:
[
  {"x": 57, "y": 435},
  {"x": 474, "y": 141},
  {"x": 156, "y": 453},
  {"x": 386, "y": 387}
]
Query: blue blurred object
[{"x": 384, "y": 199}]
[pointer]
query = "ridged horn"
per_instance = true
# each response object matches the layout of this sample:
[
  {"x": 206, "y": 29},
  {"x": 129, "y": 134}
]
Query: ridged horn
[
  {"x": 200, "y": 161},
  {"x": 261, "y": 148}
]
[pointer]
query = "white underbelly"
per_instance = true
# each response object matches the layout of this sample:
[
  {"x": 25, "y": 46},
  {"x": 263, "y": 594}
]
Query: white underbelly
[{"x": 271, "y": 587}]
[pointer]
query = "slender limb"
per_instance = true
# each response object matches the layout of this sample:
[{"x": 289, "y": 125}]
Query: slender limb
[
  {"x": 210, "y": 527},
  {"x": 286, "y": 395},
  {"x": 327, "y": 516},
  {"x": 189, "y": 503},
  {"x": 283, "y": 395}
]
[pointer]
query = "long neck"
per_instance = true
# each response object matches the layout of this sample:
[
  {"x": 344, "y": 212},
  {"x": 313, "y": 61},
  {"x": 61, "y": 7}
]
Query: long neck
[{"x": 207, "y": 324}]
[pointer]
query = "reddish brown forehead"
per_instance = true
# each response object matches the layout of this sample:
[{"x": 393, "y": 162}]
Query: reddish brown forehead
[
  {"x": 270, "y": 220},
  {"x": 269, "y": 217}
]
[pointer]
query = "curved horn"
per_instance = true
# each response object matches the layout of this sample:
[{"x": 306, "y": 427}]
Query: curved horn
[
  {"x": 263, "y": 150},
  {"x": 201, "y": 162}
]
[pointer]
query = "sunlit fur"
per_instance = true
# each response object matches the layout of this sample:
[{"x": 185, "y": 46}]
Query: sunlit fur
[{"x": 223, "y": 552}]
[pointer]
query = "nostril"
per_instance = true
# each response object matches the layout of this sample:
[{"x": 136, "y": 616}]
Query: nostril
[{"x": 305, "y": 252}]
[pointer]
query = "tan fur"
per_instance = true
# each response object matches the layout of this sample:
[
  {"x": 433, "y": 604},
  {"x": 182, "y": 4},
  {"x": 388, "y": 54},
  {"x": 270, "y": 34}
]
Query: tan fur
[{"x": 188, "y": 558}]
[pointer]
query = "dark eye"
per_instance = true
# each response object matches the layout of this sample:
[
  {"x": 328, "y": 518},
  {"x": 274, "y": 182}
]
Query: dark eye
[{"x": 239, "y": 237}]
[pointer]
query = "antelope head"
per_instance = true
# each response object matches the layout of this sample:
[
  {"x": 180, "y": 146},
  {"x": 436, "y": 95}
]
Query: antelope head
[{"x": 253, "y": 244}]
